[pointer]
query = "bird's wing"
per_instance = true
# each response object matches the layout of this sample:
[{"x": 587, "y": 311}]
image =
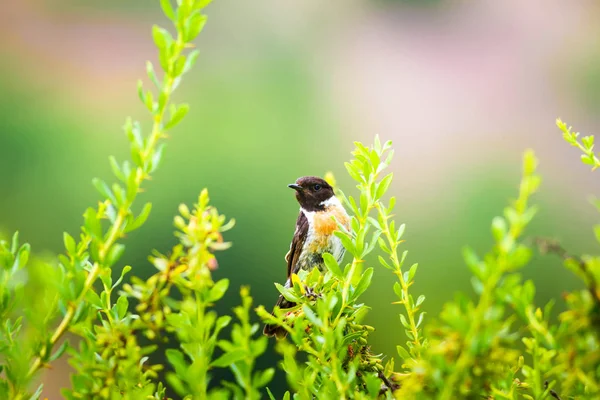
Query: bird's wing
[{"x": 297, "y": 244}]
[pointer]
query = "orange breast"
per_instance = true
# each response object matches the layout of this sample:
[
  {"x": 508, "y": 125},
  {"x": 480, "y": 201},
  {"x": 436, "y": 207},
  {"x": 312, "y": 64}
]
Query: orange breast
[{"x": 325, "y": 225}]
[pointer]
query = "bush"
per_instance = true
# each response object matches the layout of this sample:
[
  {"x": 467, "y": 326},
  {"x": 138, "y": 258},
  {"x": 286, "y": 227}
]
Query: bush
[{"x": 498, "y": 346}]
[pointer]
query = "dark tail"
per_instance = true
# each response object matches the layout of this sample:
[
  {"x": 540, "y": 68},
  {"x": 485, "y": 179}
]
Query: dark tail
[{"x": 276, "y": 330}]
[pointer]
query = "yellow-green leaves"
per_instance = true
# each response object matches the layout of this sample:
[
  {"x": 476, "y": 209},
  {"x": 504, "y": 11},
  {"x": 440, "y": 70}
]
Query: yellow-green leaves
[
  {"x": 586, "y": 144},
  {"x": 326, "y": 325},
  {"x": 217, "y": 291},
  {"x": 99, "y": 248},
  {"x": 474, "y": 325}
]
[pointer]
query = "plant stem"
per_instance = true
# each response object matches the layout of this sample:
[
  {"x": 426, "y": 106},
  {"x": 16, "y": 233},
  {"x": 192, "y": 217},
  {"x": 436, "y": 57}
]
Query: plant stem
[
  {"x": 466, "y": 358},
  {"x": 116, "y": 229},
  {"x": 410, "y": 311}
]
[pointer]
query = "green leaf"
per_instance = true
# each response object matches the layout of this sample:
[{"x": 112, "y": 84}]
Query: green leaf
[
  {"x": 140, "y": 89},
  {"x": 178, "y": 67},
  {"x": 403, "y": 353},
  {"x": 398, "y": 290},
  {"x": 218, "y": 290},
  {"x": 114, "y": 254},
  {"x": 271, "y": 397},
  {"x": 116, "y": 169},
  {"x": 194, "y": 26},
  {"x": 374, "y": 157},
  {"x": 384, "y": 263},
  {"x": 499, "y": 228},
  {"x": 163, "y": 58},
  {"x": 103, "y": 189},
  {"x": 140, "y": 219},
  {"x": 354, "y": 174},
  {"x": 178, "y": 115},
  {"x": 383, "y": 245},
  {"x": 400, "y": 232},
  {"x": 332, "y": 265},
  {"x": 364, "y": 283},
  {"x": 261, "y": 379},
  {"x": 404, "y": 321},
  {"x": 222, "y": 322},
  {"x": 351, "y": 337},
  {"x": 229, "y": 358},
  {"x": 190, "y": 60},
  {"x": 386, "y": 145},
  {"x": 383, "y": 186},
  {"x": 168, "y": 9},
  {"x": 312, "y": 317},
  {"x": 60, "y": 351},
  {"x": 530, "y": 163},
  {"x": 587, "y": 159},
  {"x": 475, "y": 265},
  {"x": 157, "y": 157},
  {"x": 22, "y": 257},
  {"x": 132, "y": 187},
  {"x": 149, "y": 101},
  {"x": 287, "y": 293},
  {"x": 176, "y": 384},
  {"x": 93, "y": 298},
  {"x": 70, "y": 244},
  {"x": 391, "y": 204},
  {"x": 152, "y": 74},
  {"x": 92, "y": 223},
  {"x": 373, "y": 385},
  {"x": 412, "y": 272},
  {"x": 124, "y": 271},
  {"x": 377, "y": 144},
  {"x": 420, "y": 320},
  {"x": 346, "y": 241},
  {"x": 230, "y": 224},
  {"x": 37, "y": 393},
  {"x": 121, "y": 306},
  {"x": 162, "y": 38},
  {"x": 520, "y": 257},
  {"x": 177, "y": 360}
]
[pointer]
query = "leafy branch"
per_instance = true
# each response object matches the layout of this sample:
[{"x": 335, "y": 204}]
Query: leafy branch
[
  {"x": 98, "y": 248},
  {"x": 586, "y": 144},
  {"x": 507, "y": 256},
  {"x": 326, "y": 322}
]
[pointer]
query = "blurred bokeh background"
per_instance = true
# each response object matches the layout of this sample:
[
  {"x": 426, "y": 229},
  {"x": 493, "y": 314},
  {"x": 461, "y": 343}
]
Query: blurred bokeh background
[{"x": 281, "y": 90}]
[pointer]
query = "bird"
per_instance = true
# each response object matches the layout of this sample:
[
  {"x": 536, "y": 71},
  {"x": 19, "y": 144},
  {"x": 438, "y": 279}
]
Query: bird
[{"x": 313, "y": 235}]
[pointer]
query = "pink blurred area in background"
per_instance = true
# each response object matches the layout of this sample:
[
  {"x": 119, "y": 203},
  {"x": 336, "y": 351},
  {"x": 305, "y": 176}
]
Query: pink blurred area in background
[
  {"x": 488, "y": 75},
  {"x": 454, "y": 85}
]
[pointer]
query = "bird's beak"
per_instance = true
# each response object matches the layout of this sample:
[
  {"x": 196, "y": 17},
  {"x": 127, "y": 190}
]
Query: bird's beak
[{"x": 295, "y": 187}]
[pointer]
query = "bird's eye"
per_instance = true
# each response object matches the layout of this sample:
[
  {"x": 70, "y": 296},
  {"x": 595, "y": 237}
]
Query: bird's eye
[{"x": 317, "y": 187}]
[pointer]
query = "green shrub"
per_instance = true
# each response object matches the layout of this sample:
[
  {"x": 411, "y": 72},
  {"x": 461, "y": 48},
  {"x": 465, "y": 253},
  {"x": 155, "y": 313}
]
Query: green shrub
[{"x": 498, "y": 346}]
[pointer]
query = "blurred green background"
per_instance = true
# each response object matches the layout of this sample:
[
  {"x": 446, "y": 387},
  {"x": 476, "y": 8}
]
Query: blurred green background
[{"x": 281, "y": 90}]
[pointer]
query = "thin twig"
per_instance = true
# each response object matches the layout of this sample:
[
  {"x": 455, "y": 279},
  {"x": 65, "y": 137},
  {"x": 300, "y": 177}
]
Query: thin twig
[
  {"x": 552, "y": 246},
  {"x": 388, "y": 385}
]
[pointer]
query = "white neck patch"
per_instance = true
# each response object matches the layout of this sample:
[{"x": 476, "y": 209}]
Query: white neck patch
[
  {"x": 333, "y": 201},
  {"x": 310, "y": 215}
]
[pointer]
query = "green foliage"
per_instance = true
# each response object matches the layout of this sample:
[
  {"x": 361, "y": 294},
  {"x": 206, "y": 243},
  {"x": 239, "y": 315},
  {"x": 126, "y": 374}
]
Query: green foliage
[
  {"x": 326, "y": 322},
  {"x": 497, "y": 344},
  {"x": 586, "y": 144},
  {"x": 108, "y": 359},
  {"x": 477, "y": 339}
]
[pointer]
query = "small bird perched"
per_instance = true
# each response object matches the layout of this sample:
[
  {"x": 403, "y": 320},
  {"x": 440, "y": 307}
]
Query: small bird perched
[{"x": 313, "y": 235}]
